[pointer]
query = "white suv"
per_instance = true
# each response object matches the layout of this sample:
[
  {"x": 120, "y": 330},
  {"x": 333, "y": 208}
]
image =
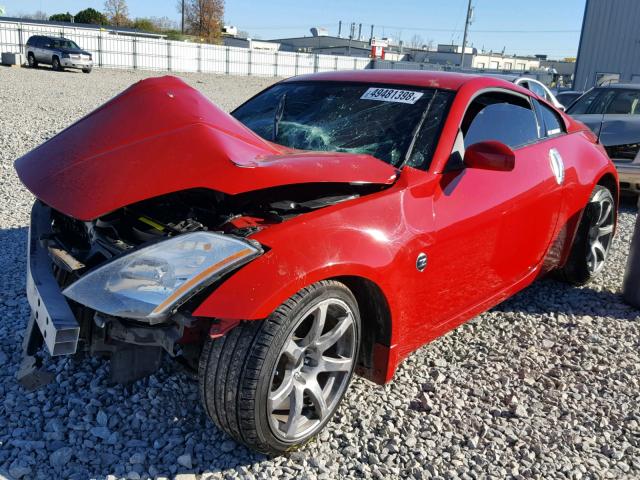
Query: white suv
[{"x": 58, "y": 52}]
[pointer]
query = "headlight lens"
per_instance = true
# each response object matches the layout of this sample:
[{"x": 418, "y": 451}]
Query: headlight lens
[{"x": 150, "y": 282}]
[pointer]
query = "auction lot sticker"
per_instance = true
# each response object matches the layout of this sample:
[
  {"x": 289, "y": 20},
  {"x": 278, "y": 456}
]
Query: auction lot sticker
[{"x": 391, "y": 95}]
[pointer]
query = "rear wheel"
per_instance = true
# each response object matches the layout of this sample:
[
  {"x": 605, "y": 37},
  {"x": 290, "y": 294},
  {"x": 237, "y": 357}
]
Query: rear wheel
[
  {"x": 274, "y": 384},
  {"x": 31, "y": 59},
  {"x": 593, "y": 238},
  {"x": 86, "y": 70}
]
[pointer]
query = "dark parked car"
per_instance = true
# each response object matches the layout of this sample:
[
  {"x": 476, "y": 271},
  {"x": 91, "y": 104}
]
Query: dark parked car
[
  {"x": 58, "y": 52},
  {"x": 567, "y": 97},
  {"x": 613, "y": 113}
]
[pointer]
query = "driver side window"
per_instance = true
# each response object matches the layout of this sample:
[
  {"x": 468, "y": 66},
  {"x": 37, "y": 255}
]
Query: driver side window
[
  {"x": 501, "y": 117},
  {"x": 496, "y": 116}
]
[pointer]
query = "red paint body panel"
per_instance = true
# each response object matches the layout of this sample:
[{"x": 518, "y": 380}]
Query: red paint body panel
[
  {"x": 487, "y": 234},
  {"x": 161, "y": 136}
]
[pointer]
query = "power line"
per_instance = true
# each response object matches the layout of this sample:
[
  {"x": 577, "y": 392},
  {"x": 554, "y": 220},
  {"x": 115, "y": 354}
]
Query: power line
[{"x": 422, "y": 29}]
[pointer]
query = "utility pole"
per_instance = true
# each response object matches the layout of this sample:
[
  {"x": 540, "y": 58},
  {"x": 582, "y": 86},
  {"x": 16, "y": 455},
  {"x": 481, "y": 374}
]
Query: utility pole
[
  {"x": 352, "y": 32},
  {"x": 182, "y": 21},
  {"x": 464, "y": 37}
]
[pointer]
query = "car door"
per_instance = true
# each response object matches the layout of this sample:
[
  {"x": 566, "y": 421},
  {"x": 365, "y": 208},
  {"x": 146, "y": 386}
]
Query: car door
[{"x": 493, "y": 227}]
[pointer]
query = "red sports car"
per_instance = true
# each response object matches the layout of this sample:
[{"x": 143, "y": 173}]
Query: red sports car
[{"x": 332, "y": 223}]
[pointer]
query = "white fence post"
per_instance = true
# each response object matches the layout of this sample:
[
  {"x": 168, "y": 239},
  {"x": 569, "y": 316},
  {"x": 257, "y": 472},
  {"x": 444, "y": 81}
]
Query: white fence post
[
  {"x": 99, "y": 50},
  {"x": 227, "y": 53},
  {"x": 20, "y": 38},
  {"x": 134, "y": 50},
  {"x": 275, "y": 63},
  {"x": 199, "y": 58},
  {"x": 169, "y": 55}
]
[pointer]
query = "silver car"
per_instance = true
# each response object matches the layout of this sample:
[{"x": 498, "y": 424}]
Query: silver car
[
  {"x": 613, "y": 113},
  {"x": 58, "y": 52}
]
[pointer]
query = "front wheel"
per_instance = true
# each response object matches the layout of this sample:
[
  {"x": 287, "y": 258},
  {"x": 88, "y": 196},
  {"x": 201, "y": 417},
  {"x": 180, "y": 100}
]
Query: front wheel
[
  {"x": 56, "y": 65},
  {"x": 86, "y": 70},
  {"x": 593, "y": 238},
  {"x": 274, "y": 384}
]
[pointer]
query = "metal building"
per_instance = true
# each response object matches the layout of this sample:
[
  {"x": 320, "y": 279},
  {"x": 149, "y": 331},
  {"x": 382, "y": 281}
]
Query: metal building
[{"x": 609, "y": 48}]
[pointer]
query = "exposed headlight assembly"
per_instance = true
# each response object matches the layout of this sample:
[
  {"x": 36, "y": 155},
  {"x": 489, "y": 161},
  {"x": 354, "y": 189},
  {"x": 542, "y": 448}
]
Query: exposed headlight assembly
[{"x": 150, "y": 282}]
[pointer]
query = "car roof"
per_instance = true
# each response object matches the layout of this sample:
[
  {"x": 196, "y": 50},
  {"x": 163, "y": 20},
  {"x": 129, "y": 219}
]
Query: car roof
[
  {"x": 417, "y": 78},
  {"x": 628, "y": 86},
  {"x": 49, "y": 37}
]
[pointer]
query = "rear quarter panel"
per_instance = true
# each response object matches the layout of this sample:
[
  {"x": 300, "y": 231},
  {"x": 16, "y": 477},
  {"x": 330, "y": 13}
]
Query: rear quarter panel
[{"x": 586, "y": 163}]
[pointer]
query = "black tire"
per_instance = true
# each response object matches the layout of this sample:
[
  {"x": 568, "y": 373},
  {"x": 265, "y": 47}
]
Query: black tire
[
  {"x": 86, "y": 70},
  {"x": 31, "y": 60},
  {"x": 236, "y": 371},
  {"x": 56, "y": 65},
  {"x": 577, "y": 270}
]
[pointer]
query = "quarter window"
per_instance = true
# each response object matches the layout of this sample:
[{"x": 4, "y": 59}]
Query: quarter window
[
  {"x": 500, "y": 117},
  {"x": 552, "y": 123}
]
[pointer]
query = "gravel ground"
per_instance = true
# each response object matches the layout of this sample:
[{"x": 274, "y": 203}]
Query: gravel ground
[{"x": 546, "y": 385}]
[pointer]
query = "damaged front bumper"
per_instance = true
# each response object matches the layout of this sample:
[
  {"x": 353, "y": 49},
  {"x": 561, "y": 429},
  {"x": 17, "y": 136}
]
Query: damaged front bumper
[
  {"x": 66, "y": 328},
  {"x": 50, "y": 312}
]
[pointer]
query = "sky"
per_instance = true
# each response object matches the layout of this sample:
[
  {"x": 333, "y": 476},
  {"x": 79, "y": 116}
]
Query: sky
[{"x": 549, "y": 27}]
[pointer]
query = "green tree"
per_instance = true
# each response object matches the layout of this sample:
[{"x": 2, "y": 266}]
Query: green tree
[
  {"x": 90, "y": 15},
  {"x": 145, "y": 25},
  {"x": 60, "y": 17}
]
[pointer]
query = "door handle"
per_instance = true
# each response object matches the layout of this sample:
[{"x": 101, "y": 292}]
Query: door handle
[{"x": 557, "y": 165}]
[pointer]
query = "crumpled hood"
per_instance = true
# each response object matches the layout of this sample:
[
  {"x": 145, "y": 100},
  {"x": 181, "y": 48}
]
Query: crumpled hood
[{"x": 161, "y": 136}]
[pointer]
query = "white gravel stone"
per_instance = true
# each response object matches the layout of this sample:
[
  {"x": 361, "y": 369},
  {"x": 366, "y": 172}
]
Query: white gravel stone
[{"x": 570, "y": 356}]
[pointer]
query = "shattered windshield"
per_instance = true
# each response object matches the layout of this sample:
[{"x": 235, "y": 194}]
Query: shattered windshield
[{"x": 397, "y": 124}]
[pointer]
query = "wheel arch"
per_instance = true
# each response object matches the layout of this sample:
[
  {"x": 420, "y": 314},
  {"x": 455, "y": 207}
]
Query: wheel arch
[
  {"x": 375, "y": 316},
  {"x": 609, "y": 181}
]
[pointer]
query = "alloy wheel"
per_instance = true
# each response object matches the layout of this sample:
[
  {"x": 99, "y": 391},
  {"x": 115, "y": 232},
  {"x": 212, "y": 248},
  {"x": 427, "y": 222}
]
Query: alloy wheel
[
  {"x": 312, "y": 371},
  {"x": 601, "y": 231}
]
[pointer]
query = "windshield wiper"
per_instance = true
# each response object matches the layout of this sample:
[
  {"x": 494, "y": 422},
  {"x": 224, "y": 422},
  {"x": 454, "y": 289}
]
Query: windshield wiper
[
  {"x": 416, "y": 130},
  {"x": 278, "y": 115}
]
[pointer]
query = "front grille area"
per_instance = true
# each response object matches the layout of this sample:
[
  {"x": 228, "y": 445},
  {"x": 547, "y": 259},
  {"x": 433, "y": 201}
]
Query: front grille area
[
  {"x": 71, "y": 233},
  {"x": 625, "y": 152}
]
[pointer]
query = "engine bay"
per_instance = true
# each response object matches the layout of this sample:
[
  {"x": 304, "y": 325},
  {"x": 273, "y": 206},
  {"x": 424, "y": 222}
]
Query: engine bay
[{"x": 91, "y": 243}]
